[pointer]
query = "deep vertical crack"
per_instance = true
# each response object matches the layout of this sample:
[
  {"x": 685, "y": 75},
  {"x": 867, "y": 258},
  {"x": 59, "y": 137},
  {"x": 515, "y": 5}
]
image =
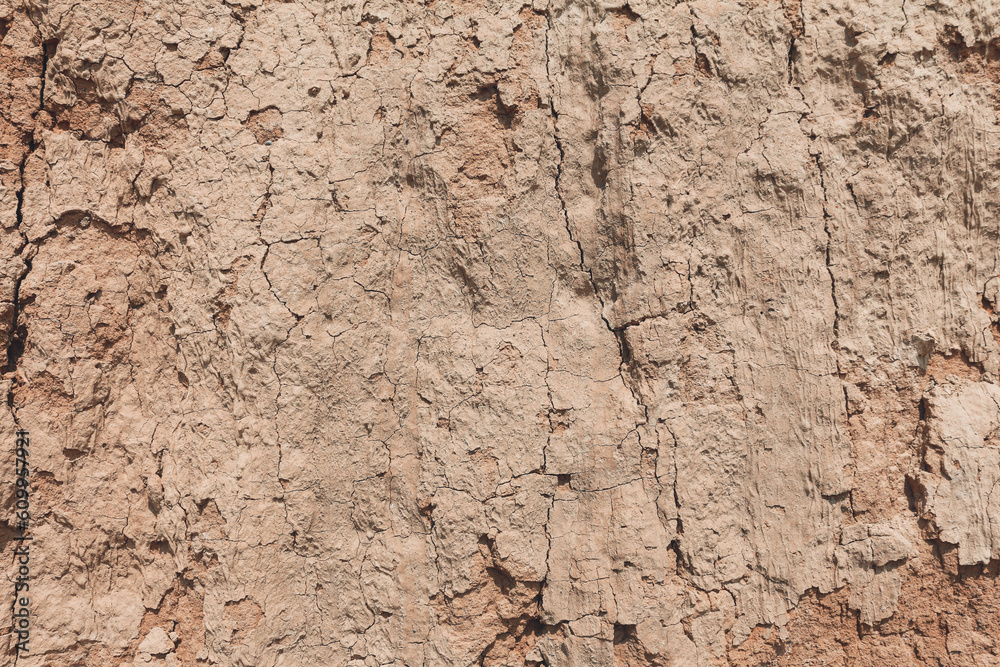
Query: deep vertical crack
[
  {"x": 18, "y": 332},
  {"x": 829, "y": 263},
  {"x": 624, "y": 351}
]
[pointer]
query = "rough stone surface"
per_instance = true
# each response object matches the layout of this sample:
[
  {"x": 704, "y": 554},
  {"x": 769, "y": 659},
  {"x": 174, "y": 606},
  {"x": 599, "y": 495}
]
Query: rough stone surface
[
  {"x": 570, "y": 332},
  {"x": 157, "y": 642}
]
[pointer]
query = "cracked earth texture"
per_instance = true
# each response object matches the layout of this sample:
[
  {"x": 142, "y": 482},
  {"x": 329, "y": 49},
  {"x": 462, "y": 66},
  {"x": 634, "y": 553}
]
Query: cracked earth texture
[{"x": 569, "y": 333}]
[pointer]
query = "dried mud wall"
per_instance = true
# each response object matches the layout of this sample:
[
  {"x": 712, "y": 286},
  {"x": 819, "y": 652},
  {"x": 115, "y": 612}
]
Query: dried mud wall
[{"x": 568, "y": 333}]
